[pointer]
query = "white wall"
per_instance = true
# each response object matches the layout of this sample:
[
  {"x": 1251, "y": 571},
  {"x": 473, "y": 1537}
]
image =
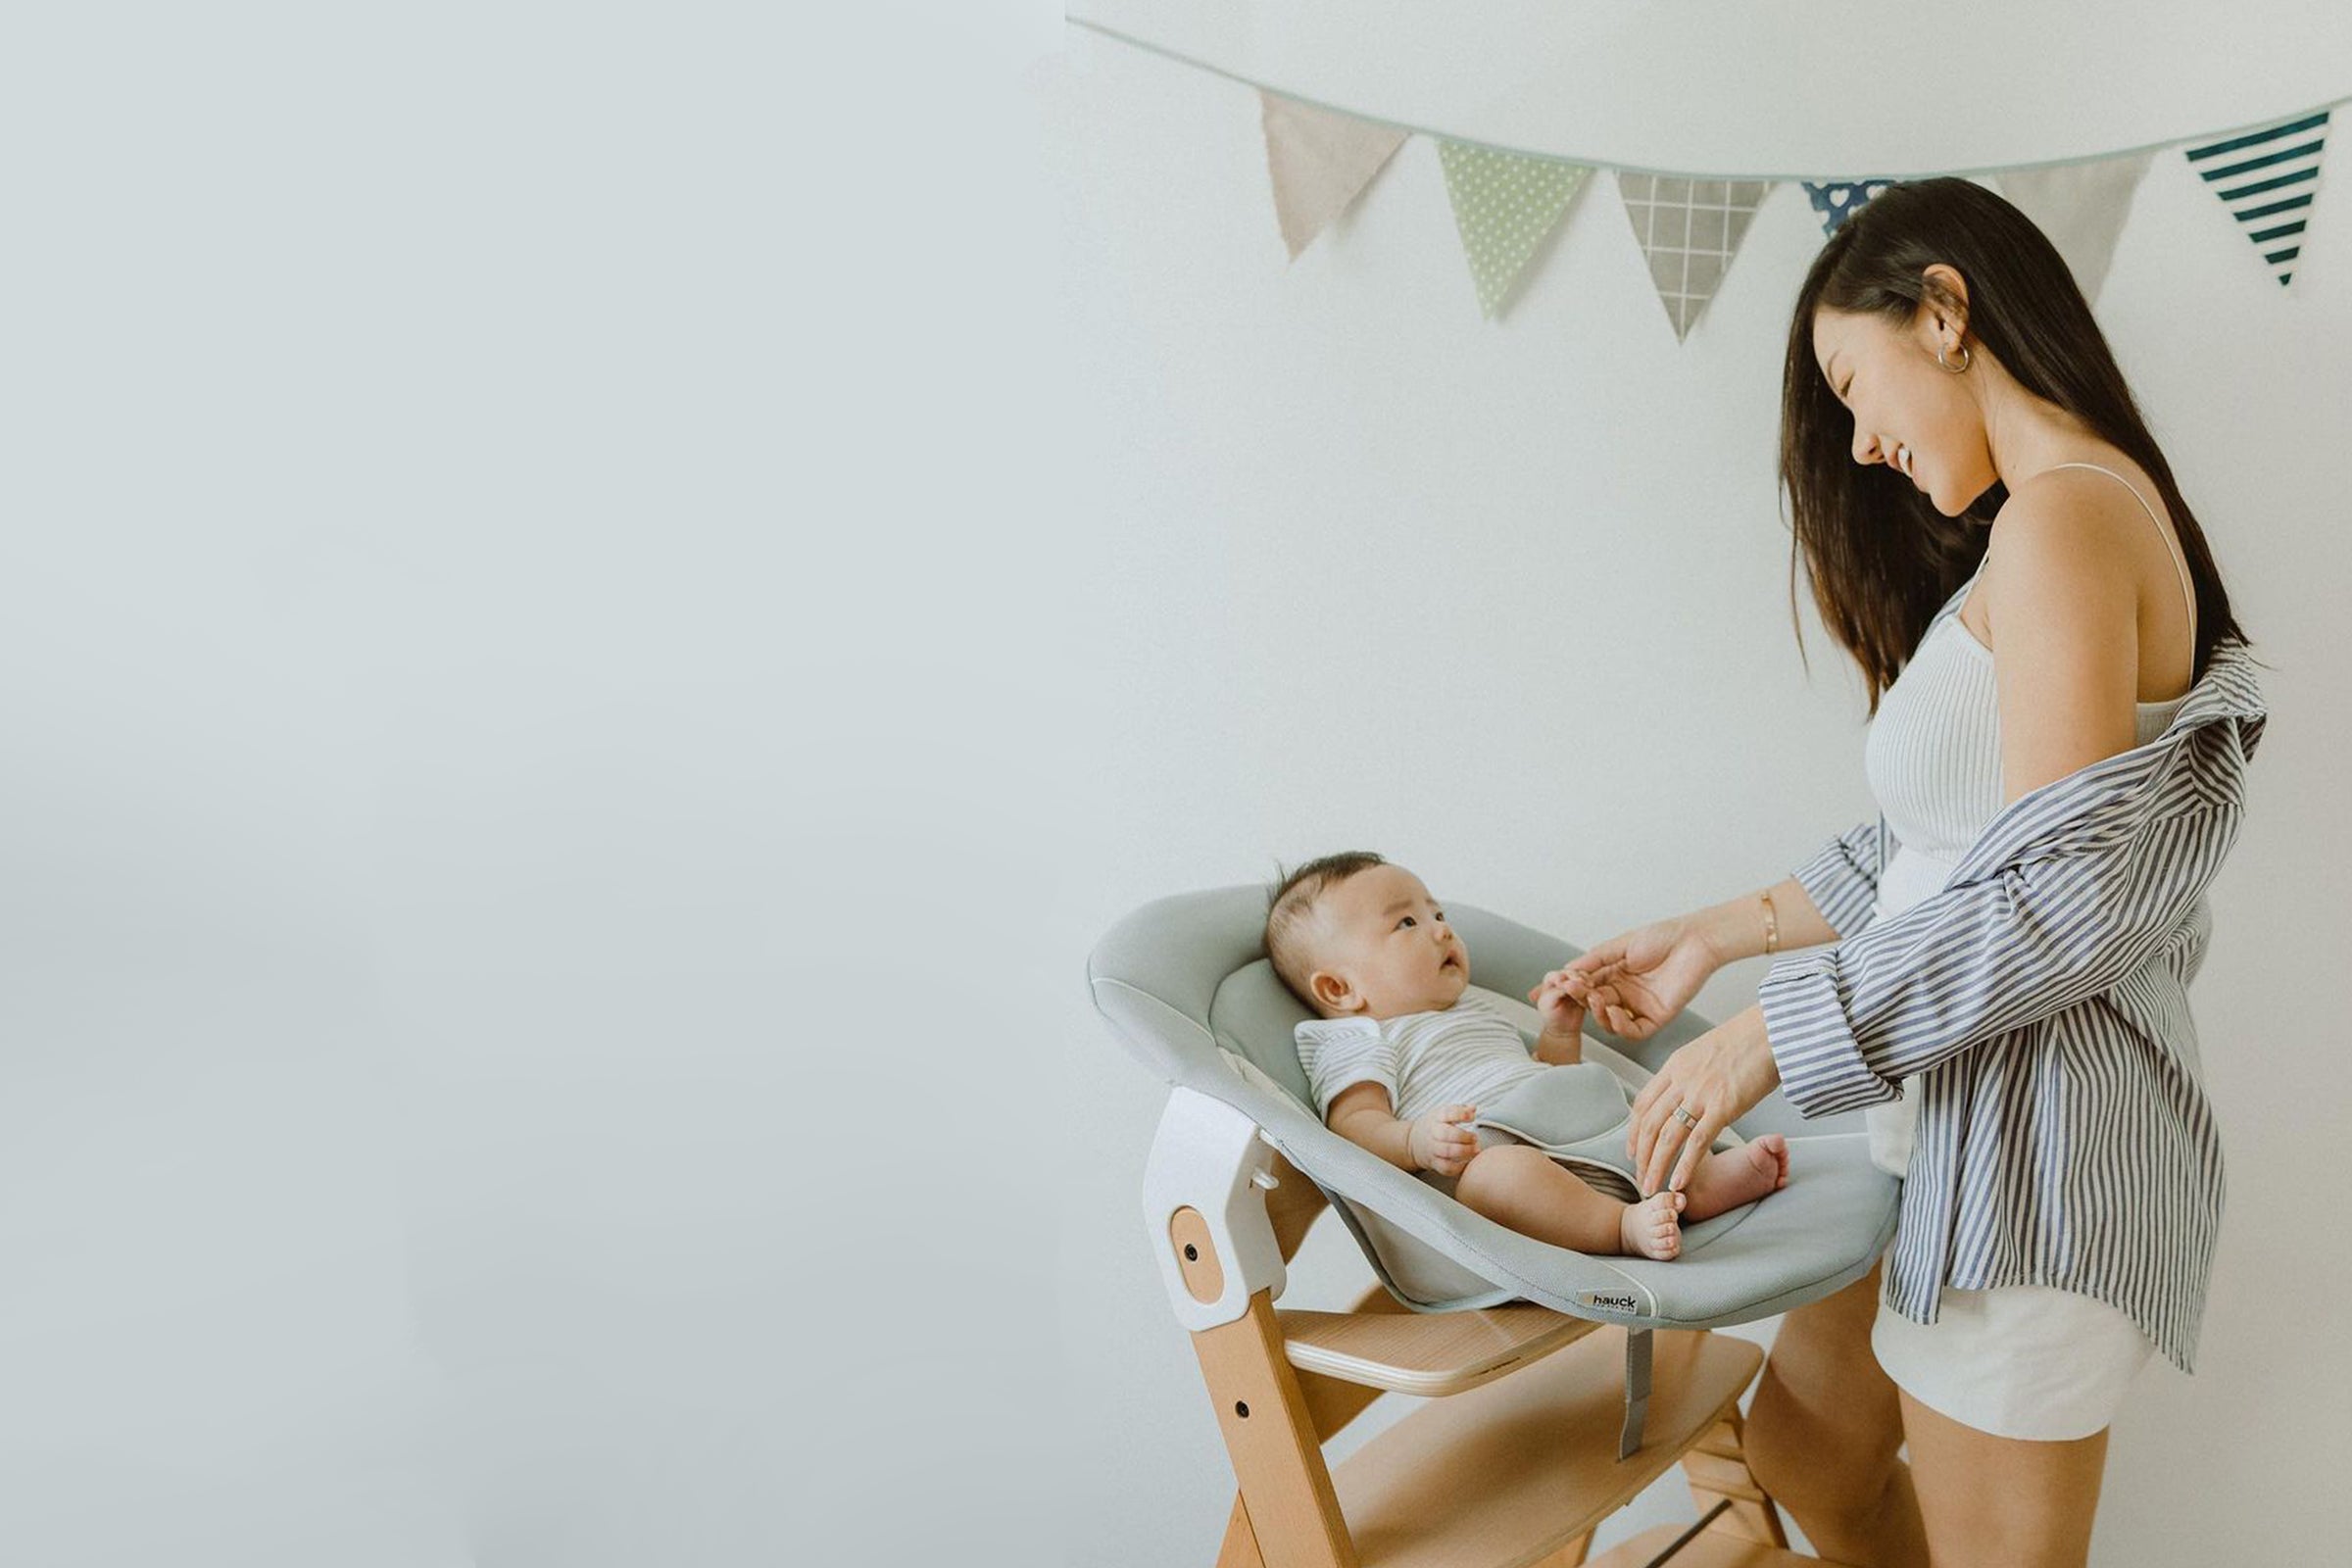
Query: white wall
[
  {"x": 599, "y": 608},
  {"x": 515, "y": 865},
  {"x": 1508, "y": 602}
]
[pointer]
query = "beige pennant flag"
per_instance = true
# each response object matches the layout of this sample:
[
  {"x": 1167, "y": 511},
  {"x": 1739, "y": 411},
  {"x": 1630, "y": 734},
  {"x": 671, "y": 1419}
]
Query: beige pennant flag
[
  {"x": 1505, "y": 204},
  {"x": 1688, "y": 229},
  {"x": 2081, "y": 207},
  {"x": 1320, "y": 162}
]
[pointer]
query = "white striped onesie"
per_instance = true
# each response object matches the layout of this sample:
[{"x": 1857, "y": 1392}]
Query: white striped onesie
[{"x": 1466, "y": 1054}]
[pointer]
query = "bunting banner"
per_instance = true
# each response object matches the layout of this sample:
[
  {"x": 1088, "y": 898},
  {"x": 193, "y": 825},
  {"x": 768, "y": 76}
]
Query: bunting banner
[
  {"x": 1320, "y": 162},
  {"x": 2082, "y": 208},
  {"x": 1688, "y": 226},
  {"x": 2268, "y": 178},
  {"x": 1503, "y": 204},
  {"x": 1689, "y": 231}
]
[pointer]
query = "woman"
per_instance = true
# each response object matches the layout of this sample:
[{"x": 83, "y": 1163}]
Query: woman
[{"x": 2062, "y": 708}]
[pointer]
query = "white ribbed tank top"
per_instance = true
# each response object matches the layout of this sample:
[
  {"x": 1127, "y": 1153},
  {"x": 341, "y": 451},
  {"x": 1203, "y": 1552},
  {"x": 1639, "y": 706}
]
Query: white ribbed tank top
[{"x": 1932, "y": 755}]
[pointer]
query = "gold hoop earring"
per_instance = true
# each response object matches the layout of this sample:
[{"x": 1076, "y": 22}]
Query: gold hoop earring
[{"x": 1957, "y": 370}]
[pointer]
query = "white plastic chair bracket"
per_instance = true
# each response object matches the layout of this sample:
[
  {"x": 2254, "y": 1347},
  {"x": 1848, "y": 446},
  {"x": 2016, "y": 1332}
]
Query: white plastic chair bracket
[{"x": 1205, "y": 1208}]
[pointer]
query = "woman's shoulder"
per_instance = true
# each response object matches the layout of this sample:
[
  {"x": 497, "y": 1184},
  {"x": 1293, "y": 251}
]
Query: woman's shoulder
[
  {"x": 2075, "y": 535},
  {"x": 2071, "y": 513}
]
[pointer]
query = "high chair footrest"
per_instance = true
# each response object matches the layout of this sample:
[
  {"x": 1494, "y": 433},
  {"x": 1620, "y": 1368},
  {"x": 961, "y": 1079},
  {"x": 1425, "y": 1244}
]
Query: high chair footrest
[
  {"x": 1520, "y": 1466},
  {"x": 1426, "y": 1353}
]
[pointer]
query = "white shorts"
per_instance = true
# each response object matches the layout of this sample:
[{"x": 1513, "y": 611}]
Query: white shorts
[{"x": 2015, "y": 1361}]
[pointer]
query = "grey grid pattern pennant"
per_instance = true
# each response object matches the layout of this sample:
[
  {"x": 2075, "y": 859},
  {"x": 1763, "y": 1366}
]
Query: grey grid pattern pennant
[{"x": 1688, "y": 229}]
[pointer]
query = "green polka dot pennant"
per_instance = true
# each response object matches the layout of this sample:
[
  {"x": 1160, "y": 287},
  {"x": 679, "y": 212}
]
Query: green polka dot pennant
[{"x": 1505, "y": 204}]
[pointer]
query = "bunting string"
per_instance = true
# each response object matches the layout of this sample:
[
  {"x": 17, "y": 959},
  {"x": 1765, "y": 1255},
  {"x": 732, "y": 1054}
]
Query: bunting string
[{"x": 1688, "y": 226}]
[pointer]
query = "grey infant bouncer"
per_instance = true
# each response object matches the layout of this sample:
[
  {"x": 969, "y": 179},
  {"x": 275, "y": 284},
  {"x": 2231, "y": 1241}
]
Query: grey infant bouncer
[{"x": 1570, "y": 1382}]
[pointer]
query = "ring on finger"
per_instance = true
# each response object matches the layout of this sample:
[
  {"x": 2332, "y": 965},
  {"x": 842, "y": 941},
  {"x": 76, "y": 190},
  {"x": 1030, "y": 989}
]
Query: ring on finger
[{"x": 1681, "y": 1113}]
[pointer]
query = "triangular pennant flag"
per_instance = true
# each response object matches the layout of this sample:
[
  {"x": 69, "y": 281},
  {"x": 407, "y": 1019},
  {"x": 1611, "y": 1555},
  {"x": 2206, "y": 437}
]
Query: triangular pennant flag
[
  {"x": 2080, "y": 207},
  {"x": 1689, "y": 228},
  {"x": 1505, "y": 204},
  {"x": 1320, "y": 162},
  {"x": 2268, "y": 178},
  {"x": 1838, "y": 200}
]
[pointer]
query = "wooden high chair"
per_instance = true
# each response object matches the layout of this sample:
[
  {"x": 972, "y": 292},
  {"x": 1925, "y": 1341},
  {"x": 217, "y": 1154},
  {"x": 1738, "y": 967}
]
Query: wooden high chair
[
  {"x": 1560, "y": 1383},
  {"x": 1514, "y": 1462}
]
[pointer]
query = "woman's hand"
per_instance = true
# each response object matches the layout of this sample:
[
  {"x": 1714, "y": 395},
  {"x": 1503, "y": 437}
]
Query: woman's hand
[
  {"x": 1717, "y": 1079},
  {"x": 1635, "y": 983}
]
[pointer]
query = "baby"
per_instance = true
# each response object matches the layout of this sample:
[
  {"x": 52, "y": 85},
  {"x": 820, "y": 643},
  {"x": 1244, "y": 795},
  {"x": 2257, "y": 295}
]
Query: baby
[{"x": 1400, "y": 1060}]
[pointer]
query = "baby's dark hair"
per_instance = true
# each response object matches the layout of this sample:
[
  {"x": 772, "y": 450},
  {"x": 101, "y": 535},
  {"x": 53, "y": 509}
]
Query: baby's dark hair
[{"x": 1291, "y": 899}]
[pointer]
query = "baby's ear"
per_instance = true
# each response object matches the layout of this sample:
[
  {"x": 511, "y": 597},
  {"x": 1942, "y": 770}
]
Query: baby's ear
[{"x": 1330, "y": 992}]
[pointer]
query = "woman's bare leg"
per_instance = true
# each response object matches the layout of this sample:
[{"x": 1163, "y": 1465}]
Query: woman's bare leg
[
  {"x": 1823, "y": 1434},
  {"x": 2003, "y": 1503}
]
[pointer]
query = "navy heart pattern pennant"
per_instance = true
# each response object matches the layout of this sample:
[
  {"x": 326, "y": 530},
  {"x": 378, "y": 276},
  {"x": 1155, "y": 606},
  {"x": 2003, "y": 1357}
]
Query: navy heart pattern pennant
[{"x": 1838, "y": 200}]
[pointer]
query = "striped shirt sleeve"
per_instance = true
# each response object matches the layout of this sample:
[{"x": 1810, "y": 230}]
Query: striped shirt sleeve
[
  {"x": 1340, "y": 1052},
  {"x": 1842, "y": 879},
  {"x": 2025, "y": 939}
]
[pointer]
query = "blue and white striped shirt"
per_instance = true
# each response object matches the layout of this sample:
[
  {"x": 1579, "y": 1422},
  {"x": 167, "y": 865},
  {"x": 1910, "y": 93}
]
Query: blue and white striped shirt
[{"x": 2064, "y": 1135}]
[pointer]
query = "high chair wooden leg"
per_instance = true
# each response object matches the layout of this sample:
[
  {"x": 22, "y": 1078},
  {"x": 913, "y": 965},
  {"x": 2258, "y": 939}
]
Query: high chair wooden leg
[
  {"x": 1717, "y": 1470},
  {"x": 1287, "y": 1515},
  {"x": 1329, "y": 1405}
]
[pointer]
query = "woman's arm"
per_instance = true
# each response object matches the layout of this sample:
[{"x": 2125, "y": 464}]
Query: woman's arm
[
  {"x": 1637, "y": 982},
  {"x": 1848, "y": 1022},
  {"x": 1737, "y": 926},
  {"x": 2065, "y": 619},
  {"x": 2092, "y": 881},
  {"x": 2089, "y": 869},
  {"x": 2026, "y": 939}
]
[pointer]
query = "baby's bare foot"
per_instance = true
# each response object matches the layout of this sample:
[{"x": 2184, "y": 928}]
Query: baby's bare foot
[
  {"x": 1650, "y": 1228},
  {"x": 1738, "y": 1176}
]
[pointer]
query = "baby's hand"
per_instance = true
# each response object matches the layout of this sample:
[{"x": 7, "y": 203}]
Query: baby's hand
[
  {"x": 1439, "y": 1143},
  {"x": 1563, "y": 1007}
]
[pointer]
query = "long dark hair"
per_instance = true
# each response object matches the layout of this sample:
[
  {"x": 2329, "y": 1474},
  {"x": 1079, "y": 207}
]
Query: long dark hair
[{"x": 1880, "y": 558}]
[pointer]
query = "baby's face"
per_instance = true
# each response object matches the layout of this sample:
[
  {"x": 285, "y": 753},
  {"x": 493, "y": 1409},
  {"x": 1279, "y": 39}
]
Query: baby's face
[{"x": 1384, "y": 948}]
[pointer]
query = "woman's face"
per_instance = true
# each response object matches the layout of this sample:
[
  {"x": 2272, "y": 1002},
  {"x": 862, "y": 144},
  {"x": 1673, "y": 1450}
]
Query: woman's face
[{"x": 1910, "y": 412}]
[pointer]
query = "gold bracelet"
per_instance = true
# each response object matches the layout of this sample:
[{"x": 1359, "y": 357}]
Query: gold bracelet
[{"x": 1772, "y": 924}]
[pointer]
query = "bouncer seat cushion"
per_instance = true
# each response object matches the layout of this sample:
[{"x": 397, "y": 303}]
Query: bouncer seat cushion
[{"x": 1186, "y": 983}]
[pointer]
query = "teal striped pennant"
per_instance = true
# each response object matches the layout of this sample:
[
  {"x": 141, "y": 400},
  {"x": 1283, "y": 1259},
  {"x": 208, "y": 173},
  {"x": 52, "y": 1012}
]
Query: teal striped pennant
[{"x": 2268, "y": 179}]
